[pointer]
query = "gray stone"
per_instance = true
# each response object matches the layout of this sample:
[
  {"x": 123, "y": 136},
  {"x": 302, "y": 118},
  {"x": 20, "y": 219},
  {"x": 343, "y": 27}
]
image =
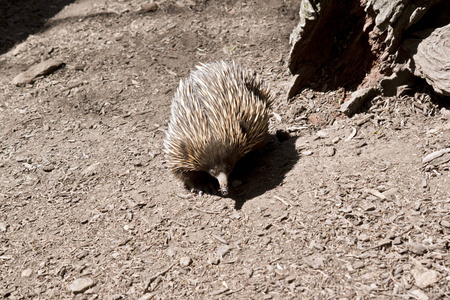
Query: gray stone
[
  {"x": 81, "y": 284},
  {"x": 185, "y": 261},
  {"x": 417, "y": 248},
  {"x": 357, "y": 99},
  {"x": 424, "y": 277},
  {"x": 43, "y": 68},
  {"x": 223, "y": 250},
  {"x": 314, "y": 261},
  {"x": 27, "y": 272}
]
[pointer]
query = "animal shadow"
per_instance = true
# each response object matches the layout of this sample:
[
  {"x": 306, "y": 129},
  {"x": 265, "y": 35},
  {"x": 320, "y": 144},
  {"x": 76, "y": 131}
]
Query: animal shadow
[{"x": 263, "y": 170}]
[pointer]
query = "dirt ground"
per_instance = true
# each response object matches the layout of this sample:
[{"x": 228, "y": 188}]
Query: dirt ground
[{"x": 333, "y": 208}]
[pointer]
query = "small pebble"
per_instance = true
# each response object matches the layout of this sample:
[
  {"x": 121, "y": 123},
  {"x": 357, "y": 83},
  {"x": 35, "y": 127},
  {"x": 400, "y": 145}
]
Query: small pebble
[
  {"x": 27, "y": 272},
  {"x": 424, "y": 183},
  {"x": 81, "y": 284},
  {"x": 2, "y": 226},
  {"x": 321, "y": 134},
  {"x": 417, "y": 248},
  {"x": 424, "y": 277},
  {"x": 368, "y": 207},
  {"x": 299, "y": 145},
  {"x": 328, "y": 152},
  {"x": 363, "y": 237},
  {"x": 307, "y": 153},
  {"x": 171, "y": 252},
  {"x": 266, "y": 240},
  {"x": 147, "y": 296},
  {"x": 444, "y": 223},
  {"x": 315, "y": 262},
  {"x": 185, "y": 261},
  {"x": 149, "y": 7},
  {"x": 336, "y": 140},
  {"x": 397, "y": 241},
  {"x": 358, "y": 265},
  {"x": 48, "y": 168},
  {"x": 290, "y": 279},
  {"x": 419, "y": 294},
  {"x": 220, "y": 291},
  {"x": 223, "y": 250},
  {"x": 248, "y": 272},
  {"x": 214, "y": 260}
]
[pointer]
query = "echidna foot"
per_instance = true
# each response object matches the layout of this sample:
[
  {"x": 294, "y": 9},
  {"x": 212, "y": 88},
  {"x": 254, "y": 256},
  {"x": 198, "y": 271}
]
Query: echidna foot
[{"x": 200, "y": 182}]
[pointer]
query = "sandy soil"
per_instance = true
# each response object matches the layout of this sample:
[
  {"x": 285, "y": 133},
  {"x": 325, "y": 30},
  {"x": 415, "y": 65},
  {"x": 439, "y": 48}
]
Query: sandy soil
[{"x": 334, "y": 207}]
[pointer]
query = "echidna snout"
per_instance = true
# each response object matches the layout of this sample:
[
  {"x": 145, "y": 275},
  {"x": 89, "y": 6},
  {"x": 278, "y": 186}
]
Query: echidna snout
[
  {"x": 223, "y": 183},
  {"x": 221, "y": 174}
]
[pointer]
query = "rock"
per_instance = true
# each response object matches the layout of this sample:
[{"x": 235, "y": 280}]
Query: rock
[
  {"x": 223, "y": 250},
  {"x": 430, "y": 53},
  {"x": 290, "y": 279},
  {"x": 185, "y": 261},
  {"x": 357, "y": 99},
  {"x": 214, "y": 260},
  {"x": 41, "y": 69},
  {"x": 91, "y": 170},
  {"x": 363, "y": 237},
  {"x": 3, "y": 226},
  {"x": 317, "y": 119},
  {"x": 419, "y": 294},
  {"x": 300, "y": 145},
  {"x": 397, "y": 241},
  {"x": 48, "y": 168},
  {"x": 171, "y": 252},
  {"x": 147, "y": 296},
  {"x": 368, "y": 207},
  {"x": 321, "y": 134},
  {"x": 390, "y": 193},
  {"x": 445, "y": 112},
  {"x": 328, "y": 152},
  {"x": 417, "y": 248},
  {"x": 148, "y": 7},
  {"x": 81, "y": 284},
  {"x": 307, "y": 153},
  {"x": 444, "y": 223},
  {"x": 358, "y": 264},
  {"x": 27, "y": 272},
  {"x": 248, "y": 272},
  {"x": 387, "y": 11},
  {"x": 424, "y": 277},
  {"x": 315, "y": 262}
]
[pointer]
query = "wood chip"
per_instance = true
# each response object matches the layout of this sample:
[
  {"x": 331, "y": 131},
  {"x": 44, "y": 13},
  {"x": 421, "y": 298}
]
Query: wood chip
[
  {"x": 151, "y": 279},
  {"x": 220, "y": 239},
  {"x": 219, "y": 291},
  {"x": 377, "y": 194},
  {"x": 352, "y": 135},
  {"x": 434, "y": 155},
  {"x": 282, "y": 200}
]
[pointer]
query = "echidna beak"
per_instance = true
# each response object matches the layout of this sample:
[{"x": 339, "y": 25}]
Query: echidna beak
[{"x": 223, "y": 182}]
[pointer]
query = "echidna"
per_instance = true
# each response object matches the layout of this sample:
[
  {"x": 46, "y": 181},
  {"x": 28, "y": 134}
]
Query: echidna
[{"x": 218, "y": 115}]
